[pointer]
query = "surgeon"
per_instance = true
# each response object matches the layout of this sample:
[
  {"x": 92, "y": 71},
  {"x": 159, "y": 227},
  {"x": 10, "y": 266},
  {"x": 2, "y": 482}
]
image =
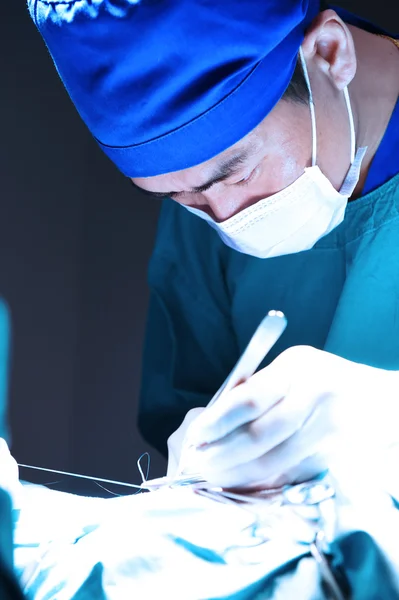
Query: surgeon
[{"x": 271, "y": 131}]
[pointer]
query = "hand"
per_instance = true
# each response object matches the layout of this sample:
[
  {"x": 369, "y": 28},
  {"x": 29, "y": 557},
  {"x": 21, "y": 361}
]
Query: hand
[
  {"x": 289, "y": 420},
  {"x": 9, "y": 475},
  {"x": 175, "y": 441}
]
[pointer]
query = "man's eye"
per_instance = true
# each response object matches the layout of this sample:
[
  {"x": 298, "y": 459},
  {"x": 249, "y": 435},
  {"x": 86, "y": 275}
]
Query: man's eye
[{"x": 248, "y": 178}]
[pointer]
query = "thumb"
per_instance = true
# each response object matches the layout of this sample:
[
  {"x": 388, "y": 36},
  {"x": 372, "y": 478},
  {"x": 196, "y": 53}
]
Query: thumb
[{"x": 176, "y": 440}]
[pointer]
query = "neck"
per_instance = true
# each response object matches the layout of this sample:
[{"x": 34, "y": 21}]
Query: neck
[{"x": 374, "y": 93}]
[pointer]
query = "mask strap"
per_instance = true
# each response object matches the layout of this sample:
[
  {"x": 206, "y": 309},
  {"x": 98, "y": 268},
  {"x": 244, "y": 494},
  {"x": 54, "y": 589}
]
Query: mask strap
[
  {"x": 311, "y": 106},
  {"x": 351, "y": 124},
  {"x": 357, "y": 157},
  {"x": 353, "y": 174},
  {"x": 313, "y": 115}
]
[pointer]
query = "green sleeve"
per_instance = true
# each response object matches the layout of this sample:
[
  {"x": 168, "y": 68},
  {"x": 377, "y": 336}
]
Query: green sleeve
[
  {"x": 190, "y": 345},
  {"x": 8, "y": 586},
  {"x": 4, "y": 358}
]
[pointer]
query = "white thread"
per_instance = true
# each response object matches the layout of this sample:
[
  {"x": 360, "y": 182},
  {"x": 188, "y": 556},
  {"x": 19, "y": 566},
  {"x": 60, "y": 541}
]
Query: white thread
[
  {"x": 81, "y": 476},
  {"x": 144, "y": 478},
  {"x": 109, "y": 491}
]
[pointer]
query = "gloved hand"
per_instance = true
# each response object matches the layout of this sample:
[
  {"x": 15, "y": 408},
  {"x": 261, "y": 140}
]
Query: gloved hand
[
  {"x": 291, "y": 420},
  {"x": 9, "y": 475}
]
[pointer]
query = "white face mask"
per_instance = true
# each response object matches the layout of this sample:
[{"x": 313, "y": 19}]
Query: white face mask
[{"x": 301, "y": 214}]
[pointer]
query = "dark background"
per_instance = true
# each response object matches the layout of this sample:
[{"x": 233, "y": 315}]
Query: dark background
[{"x": 75, "y": 241}]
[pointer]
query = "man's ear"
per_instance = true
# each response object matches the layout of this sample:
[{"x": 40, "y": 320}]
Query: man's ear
[{"x": 329, "y": 44}]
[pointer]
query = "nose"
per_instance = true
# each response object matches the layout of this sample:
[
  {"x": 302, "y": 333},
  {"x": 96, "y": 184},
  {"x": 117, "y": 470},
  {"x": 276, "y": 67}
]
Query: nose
[{"x": 222, "y": 204}]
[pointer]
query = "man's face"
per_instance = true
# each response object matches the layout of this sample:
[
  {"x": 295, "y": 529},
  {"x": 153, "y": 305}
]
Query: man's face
[{"x": 268, "y": 159}]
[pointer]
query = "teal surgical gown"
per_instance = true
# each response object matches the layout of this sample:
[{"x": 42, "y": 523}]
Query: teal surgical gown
[{"x": 206, "y": 300}]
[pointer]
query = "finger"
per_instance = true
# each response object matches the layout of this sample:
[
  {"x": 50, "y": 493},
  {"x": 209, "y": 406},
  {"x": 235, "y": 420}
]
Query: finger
[
  {"x": 243, "y": 404},
  {"x": 257, "y": 477},
  {"x": 256, "y": 438},
  {"x": 314, "y": 439},
  {"x": 176, "y": 441},
  {"x": 172, "y": 462}
]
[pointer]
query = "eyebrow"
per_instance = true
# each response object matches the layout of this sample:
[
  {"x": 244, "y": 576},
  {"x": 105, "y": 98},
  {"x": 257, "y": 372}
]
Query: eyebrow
[{"x": 225, "y": 170}]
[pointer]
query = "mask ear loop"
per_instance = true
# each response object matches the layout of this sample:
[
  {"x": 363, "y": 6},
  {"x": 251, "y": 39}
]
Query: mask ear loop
[
  {"x": 313, "y": 115},
  {"x": 311, "y": 106},
  {"x": 351, "y": 124},
  {"x": 357, "y": 156}
]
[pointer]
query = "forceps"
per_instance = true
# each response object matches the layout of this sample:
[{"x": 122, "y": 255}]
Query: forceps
[
  {"x": 266, "y": 335},
  {"x": 317, "y": 494}
]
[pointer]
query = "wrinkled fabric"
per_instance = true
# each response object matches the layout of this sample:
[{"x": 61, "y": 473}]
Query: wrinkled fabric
[
  {"x": 207, "y": 300},
  {"x": 164, "y": 544},
  {"x": 163, "y": 86},
  {"x": 176, "y": 544},
  {"x": 9, "y": 589}
]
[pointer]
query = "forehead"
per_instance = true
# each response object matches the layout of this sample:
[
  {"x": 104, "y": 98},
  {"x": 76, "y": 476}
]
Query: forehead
[{"x": 195, "y": 176}]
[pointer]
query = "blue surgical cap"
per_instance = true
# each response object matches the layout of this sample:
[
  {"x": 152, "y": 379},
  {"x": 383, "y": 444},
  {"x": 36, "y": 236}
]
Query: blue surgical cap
[{"x": 164, "y": 85}]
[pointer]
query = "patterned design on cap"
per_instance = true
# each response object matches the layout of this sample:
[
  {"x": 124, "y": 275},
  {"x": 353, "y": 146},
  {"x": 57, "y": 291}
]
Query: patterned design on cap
[{"x": 65, "y": 11}]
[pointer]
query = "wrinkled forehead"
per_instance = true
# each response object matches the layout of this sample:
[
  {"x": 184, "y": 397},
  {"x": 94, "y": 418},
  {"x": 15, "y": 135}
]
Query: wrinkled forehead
[{"x": 237, "y": 155}]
